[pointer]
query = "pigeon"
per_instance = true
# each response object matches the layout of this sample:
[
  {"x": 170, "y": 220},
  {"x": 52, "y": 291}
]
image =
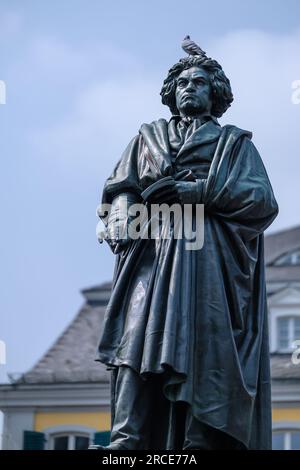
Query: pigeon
[{"x": 190, "y": 47}]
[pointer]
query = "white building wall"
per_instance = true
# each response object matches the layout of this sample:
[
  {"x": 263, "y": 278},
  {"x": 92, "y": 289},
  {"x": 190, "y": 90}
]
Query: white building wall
[{"x": 15, "y": 422}]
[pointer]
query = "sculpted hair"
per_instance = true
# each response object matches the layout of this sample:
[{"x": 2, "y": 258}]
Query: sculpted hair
[{"x": 222, "y": 96}]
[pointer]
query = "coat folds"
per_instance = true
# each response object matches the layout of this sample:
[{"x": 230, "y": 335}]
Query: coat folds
[{"x": 198, "y": 317}]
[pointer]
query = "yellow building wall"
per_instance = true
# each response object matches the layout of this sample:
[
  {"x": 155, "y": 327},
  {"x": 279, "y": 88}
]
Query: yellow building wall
[
  {"x": 101, "y": 420},
  {"x": 285, "y": 414},
  {"x": 97, "y": 420}
]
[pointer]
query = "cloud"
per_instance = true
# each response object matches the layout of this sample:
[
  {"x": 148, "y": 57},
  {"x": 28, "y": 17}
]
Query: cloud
[
  {"x": 109, "y": 111},
  {"x": 107, "y": 104},
  {"x": 94, "y": 134},
  {"x": 10, "y": 24},
  {"x": 65, "y": 62},
  {"x": 262, "y": 68}
]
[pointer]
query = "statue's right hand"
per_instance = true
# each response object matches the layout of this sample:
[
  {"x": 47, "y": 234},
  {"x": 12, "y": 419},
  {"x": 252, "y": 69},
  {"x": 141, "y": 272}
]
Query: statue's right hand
[{"x": 116, "y": 225}]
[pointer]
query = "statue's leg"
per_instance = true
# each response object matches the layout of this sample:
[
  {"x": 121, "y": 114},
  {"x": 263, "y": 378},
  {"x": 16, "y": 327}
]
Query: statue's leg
[
  {"x": 131, "y": 410},
  {"x": 113, "y": 379},
  {"x": 142, "y": 417}
]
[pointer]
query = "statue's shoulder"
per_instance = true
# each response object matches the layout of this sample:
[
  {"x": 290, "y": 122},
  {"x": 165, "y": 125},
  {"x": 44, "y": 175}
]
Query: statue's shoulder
[
  {"x": 235, "y": 132},
  {"x": 158, "y": 124},
  {"x": 241, "y": 137}
]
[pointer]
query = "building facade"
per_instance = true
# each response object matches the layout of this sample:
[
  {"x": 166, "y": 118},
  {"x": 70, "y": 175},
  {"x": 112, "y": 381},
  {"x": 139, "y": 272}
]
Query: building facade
[
  {"x": 282, "y": 257},
  {"x": 63, "y": 402}
]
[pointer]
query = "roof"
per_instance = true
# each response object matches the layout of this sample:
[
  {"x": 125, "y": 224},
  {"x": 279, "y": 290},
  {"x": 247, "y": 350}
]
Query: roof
[
  {"x": 281, "y": 242},
  {"x": 276, "y": 245},
  {"x": 282, "y": 367},
  {"x": 282, "y": 273},
  {"x": 72, "y": 356}
]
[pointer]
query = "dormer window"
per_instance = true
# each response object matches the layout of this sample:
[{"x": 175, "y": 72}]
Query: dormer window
[
  {"x": 289, "y": 259},
  {"x": 288, "y": 330}
]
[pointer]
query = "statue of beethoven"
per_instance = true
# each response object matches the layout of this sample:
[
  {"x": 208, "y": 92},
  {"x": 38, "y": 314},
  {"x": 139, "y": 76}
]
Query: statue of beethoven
[{"x": 185, "y": 332}]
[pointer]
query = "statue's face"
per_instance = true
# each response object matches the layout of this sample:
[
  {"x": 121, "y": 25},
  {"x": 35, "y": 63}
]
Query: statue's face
[{"x": 193, "y": 92}]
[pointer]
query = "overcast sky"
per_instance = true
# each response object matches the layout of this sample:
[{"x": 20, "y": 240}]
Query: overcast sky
[{"x": 81, "y": 77}]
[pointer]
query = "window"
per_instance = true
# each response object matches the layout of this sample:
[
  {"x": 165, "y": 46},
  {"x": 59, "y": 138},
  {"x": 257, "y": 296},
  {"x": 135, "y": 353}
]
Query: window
[
  {"x": 73, "y": 437},
  {"x": 286, "y": 440},
  {"x": 288, "y": 330},
  {"x": 70, "y": 441},
  {"x": 289, "y": 259}
]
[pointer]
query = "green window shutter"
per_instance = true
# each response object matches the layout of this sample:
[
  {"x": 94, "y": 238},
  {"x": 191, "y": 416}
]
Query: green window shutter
[
  {"x": 102, "y": 438},
  {"x": 33, "y": 440}
]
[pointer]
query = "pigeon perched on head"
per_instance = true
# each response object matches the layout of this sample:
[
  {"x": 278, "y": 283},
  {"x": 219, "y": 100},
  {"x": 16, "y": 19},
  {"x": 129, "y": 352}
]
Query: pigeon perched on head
[{"x": 190, "y": 47}]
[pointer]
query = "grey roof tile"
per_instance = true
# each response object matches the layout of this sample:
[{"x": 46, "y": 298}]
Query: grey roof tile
[
  {"x": 279, "y": 243},
  {"x": 72, "y": 356},
  {"x": 282, "y": 367}
]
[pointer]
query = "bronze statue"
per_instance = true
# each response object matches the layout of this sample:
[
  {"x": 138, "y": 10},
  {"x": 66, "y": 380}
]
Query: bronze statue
[{"x": 185, "y": 332}]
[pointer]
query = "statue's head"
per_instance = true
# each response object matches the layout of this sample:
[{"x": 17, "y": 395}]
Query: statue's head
[{"x": 196, "y": 85}]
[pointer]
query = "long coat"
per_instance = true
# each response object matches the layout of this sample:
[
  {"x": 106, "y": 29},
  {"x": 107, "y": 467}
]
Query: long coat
[{"x": 199, "y": 316}]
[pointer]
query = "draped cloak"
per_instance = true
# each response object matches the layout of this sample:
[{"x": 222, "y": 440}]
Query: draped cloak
[{"x": 198, "y": 316}]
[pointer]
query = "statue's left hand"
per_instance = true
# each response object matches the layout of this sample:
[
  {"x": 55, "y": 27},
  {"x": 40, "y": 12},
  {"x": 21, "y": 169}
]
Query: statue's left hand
[
  {"x": 186, "y": 192},
  {"x": 183, "y": 192}
]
